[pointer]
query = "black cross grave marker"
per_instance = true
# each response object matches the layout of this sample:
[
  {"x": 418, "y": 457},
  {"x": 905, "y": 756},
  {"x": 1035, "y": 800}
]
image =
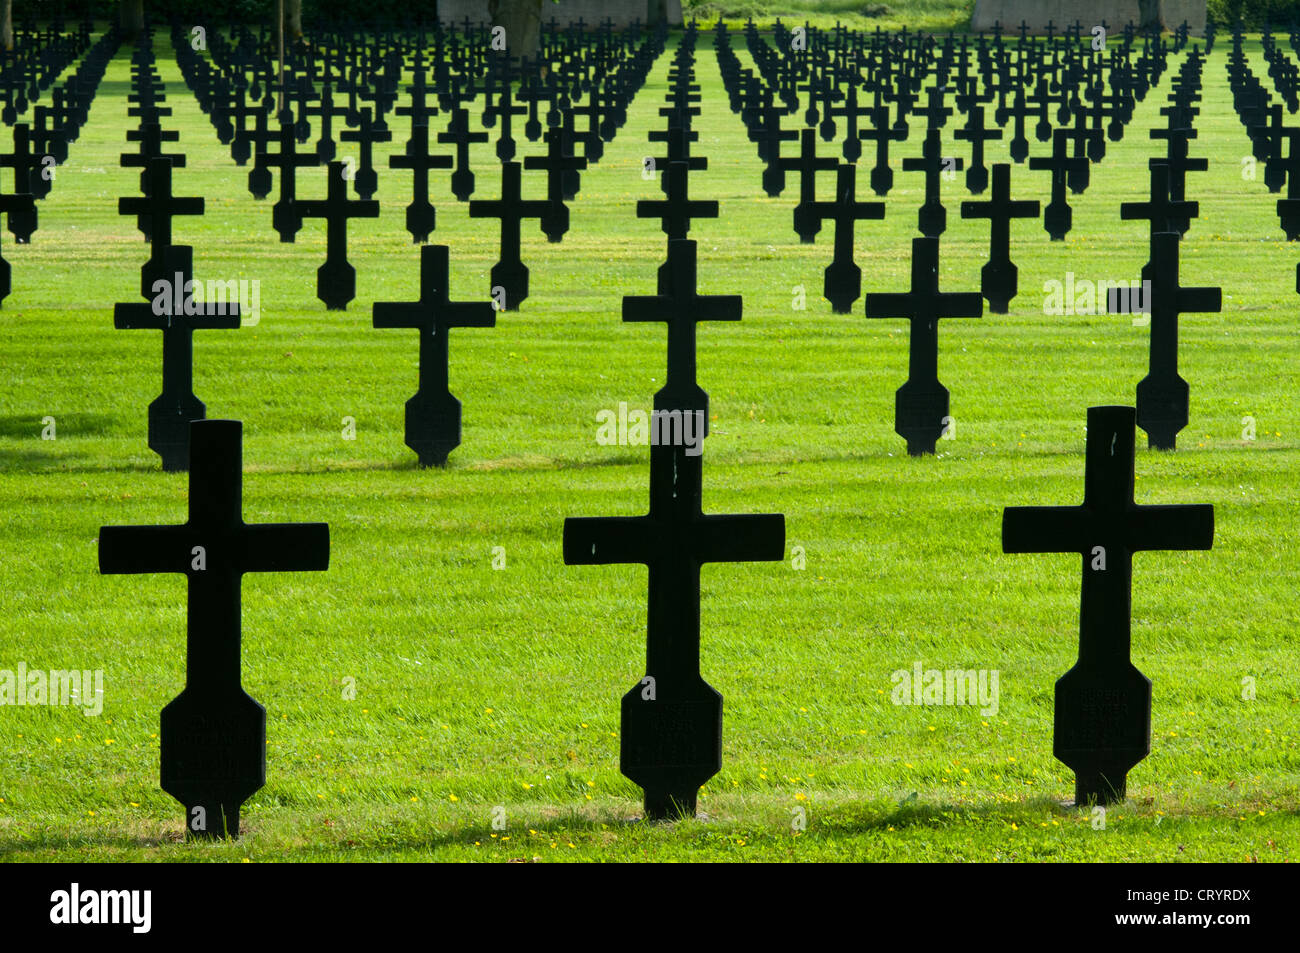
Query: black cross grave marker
[
  {"x": 1162, "y": 396},
  {"x": 22, "y": 221},
  {"x": 681, "y": 308},
  {"x": 286, "y": 218},
  {"x": 556, "y": 164},
  {"x": 921, "y": 404},
  {"x": 366, "y": 180},
  {"x": 173, "y": 311},
  {"x": 806, "y": 222},
  {"x": 1103, "y": 704},
  {"x": 157, "y": 209},
  {"x": 671, "y": 739},
  {"x": 462, "y": 180},
  {"x": 932, "y": 218},
  {"x": 433, "y": 414},
  {"x": 977, "y": 176},
  {"x": 999, "y": 275},
  {"x": 1164, "y": 214},
  {"x": 510, "y": 273},
  {"x": 213, "y": 735},
  {"x": 336, "y": 279},
  {"x": 1058, "y": 217},
  {"x": 843, "y": 280},
  {"x": 421, "y": 217},
  {"x": 13, "y": 204},
  {"x": 882, "y": 175}
]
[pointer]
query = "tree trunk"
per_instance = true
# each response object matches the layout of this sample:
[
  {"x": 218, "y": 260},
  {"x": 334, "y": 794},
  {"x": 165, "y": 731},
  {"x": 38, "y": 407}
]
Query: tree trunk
[
  {"x": 132, "y": 16},
  {"x": 522, "y": 20},
  {"x": 7, "y": 24},
  {"x": 1151, "y": 15},
  {"x": 293, "y": 14}
]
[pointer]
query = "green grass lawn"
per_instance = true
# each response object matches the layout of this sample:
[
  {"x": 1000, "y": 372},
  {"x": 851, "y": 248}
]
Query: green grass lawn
[
  {"x": 479, "y": 688},
  {"x": 933, "y": 15}
]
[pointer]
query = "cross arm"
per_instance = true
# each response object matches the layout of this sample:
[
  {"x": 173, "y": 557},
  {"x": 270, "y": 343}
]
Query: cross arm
[
  {"x": 137, "y": 315},
  {"x": 1174, "y": 526},
  {"x": 228, "y": 318},
  {"x": 880, "y": 304},
  {"x": 741, "y": 538},
  {"x": 603, "y": 540},
  {"x": 399, "y": 314},
  {"x": 660, "y": 208},
  {"x": 285, "y": 547},
  {"x": 420, "y": 162},
  {"x": 135, "y": 205},
  {"x": 1044, "y": 529},
  {"x": 1200, "y": 300},
  {"x": 471, "y": 314},
  {"x": 144, "y": 549},
  {"x": 661, "y": 307}
]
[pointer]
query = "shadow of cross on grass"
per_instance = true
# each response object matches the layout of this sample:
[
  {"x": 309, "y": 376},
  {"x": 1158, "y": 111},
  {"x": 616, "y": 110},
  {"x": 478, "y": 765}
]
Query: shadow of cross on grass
[
  {"x": 213, "y": 735},
  {"x": 671, "y": 738},
  {"x": 1103, "y": 704}
]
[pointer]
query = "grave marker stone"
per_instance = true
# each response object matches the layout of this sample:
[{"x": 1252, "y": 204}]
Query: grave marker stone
[
  {"x": 1103, "y": 704},
  {"x": 213, "y": 735}
]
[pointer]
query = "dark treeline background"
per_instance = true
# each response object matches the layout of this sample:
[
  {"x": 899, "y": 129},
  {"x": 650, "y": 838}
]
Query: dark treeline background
[
  {"x": 1223, "y": 13},
  {"x": 252, "y": 12}
]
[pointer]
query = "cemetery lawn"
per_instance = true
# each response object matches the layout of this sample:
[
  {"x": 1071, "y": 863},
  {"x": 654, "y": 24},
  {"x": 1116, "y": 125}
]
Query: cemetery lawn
[
  {"x": 479, "y": 688},
  {"x": 935, "y": 16}
]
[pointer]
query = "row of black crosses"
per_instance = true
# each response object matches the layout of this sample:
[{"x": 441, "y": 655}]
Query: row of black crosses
[
  {"x": 1272, "y": 142},
  {"x": 213, "y": 735},
  {"x": 606, "y": 111},
  {"x": 754, "y": 98},
  {"x": 41, "y": 146},
  {"x": 671, "y": 721},
  {"x": 895, "y": 88},
  {"x": 166, "y": 278},
  {"x": 36, "y": 59},
  {"x": 433, "y": 415},
  {"x": 213, "y": 741},
  {"x": 922, "y": 404}
]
